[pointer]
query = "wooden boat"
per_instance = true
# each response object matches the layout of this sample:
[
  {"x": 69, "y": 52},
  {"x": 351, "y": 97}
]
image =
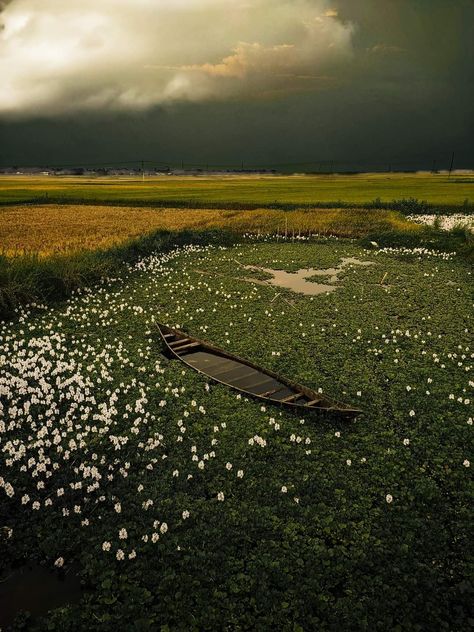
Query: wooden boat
[{"x": 246, "y": 377}]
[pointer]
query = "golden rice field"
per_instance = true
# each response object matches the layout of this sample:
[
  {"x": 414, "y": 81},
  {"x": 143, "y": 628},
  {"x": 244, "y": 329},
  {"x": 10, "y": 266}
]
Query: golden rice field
[{"x": 50, "y": 229}]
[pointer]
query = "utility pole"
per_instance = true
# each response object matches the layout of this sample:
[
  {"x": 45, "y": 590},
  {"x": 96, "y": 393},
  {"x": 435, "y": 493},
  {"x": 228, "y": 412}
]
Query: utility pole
[
  {"x": 143, "y": 170},
  {"x": 451, "y": 165}
]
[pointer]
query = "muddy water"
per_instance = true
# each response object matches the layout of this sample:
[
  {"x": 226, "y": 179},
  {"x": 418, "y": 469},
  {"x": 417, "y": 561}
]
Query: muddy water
[
  {"x": 300, "y": 281},
  {"x": 36, "y": 590}
]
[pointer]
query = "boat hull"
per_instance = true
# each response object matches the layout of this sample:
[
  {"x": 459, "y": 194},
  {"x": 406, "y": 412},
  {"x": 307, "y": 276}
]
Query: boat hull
[{"x": 246, "y": 377}]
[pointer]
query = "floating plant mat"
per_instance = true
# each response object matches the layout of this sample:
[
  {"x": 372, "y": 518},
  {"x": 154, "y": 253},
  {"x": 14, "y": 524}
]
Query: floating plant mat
[
  {"x": 36, "y": 590},
  {"x": 300, "y": 281}
]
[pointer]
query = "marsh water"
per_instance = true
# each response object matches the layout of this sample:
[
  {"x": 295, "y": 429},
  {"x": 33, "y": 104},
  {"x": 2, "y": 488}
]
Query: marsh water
[
  {"x": 300, "y": 281},
  {"x": 36, "y": 590}
]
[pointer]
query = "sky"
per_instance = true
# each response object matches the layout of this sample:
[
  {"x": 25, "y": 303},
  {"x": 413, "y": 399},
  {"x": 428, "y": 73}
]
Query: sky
[{"x": 288, "y": 84}]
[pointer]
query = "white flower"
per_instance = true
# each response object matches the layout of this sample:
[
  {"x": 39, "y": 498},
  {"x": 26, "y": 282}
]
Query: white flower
[
  {"x": 406, "y": 441},
  {"x": 59, "y": 562},
  {"x": 337, "y": 434},
  {"x": 164, "y": 527},
  {"x": 120, "y": 555},
  {"x": 185, "y": 514},
  {"x": 389, "y": 498},
  {"x": 106, "y": 546},
  {"x": 412, "y": 413},
  {"x": 466, "y": 463},
  {"x": 220, "y": 496},
  {"x": 155, "y": 537},
  {"x": 118, "y": 507},
  {"x": 123, "y": 535},
  {"x": 228, "y": 466},
  {"x": 132, "y": 555},
  {"x": 284, "y": 489},
  {"x": 240, "y": 474},
  {"x": 349, "y": 462}
]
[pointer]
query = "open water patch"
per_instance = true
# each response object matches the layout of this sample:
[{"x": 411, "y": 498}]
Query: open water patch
[
  {"x": 37, "y": 590},
  {"x": 300, "y": 281}
]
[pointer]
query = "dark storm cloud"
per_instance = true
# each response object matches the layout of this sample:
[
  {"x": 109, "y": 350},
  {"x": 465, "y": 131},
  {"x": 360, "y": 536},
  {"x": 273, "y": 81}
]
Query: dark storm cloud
[{"x": 401, "y": 93}]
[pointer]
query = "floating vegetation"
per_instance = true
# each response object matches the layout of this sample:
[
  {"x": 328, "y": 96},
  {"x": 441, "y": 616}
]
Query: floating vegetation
[
  {"x": 189, "y": 507},
  {"x": 445, "y": 222}
]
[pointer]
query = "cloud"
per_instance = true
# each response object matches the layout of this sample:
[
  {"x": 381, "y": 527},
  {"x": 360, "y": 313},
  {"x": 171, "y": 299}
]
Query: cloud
[
  {"x": 57, "y": 57},
  {"x": 385, "y": 49}
]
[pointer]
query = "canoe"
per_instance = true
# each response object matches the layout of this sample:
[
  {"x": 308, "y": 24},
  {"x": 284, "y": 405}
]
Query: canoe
[{"x": 246, "y": 377}]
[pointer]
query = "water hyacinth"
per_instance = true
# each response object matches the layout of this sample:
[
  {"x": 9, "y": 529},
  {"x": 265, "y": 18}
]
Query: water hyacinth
[
  {"x": 446, "y": 222},
  {"x": 121, "y": 455}
]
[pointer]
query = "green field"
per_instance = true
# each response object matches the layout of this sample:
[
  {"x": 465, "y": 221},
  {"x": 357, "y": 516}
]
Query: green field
[
  {"x": 185, "y": 508},
  {"x": 352, "y": 189}
]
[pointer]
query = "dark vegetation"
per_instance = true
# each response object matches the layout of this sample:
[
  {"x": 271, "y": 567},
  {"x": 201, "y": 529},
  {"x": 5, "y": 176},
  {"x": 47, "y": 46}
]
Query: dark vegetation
[{"x": 409, "y": 206}]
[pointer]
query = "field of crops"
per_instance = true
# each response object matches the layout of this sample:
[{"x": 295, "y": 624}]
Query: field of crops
[
  {"x": 185, "y": 507},
  {"x": 64, "y": 229},
  {"x": 434, "y": 188}
]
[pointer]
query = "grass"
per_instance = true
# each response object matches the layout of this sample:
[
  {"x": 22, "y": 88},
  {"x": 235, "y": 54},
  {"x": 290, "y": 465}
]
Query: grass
[
  {"x": 48, "y": 230},
  {"x": 31, "y": 279},
  {"x": 305, "y": 539},
  {"x": 222, "y": 190}
]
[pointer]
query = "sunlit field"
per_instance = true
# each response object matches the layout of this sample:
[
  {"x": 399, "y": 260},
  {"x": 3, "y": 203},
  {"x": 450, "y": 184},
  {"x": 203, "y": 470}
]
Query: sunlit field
[
  {"x": 360, "y": 189},
  {"x": 185, "y": 507},
  {"x": 64, "y": 229}
]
